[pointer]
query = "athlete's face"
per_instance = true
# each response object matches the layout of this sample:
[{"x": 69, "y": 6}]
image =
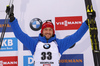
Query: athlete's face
[{"x": 48, "y": 32}]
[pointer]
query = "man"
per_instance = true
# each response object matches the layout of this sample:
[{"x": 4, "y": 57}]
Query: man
[{"x": 47, "y": 49}]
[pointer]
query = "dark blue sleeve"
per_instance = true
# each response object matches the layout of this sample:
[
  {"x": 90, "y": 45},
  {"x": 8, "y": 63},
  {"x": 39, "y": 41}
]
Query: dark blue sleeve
[
  {"x": 28, "y": 42},
  {"x": 64, "y": 44}
]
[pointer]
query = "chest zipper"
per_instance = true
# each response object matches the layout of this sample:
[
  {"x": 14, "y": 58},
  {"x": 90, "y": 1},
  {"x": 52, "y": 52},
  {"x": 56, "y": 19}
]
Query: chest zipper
[{"x": 47, "y": 40}]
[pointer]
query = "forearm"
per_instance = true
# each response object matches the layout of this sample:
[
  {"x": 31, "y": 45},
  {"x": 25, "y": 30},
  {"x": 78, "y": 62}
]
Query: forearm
[
  {"x": 15, "y": 27},
  {"x": 19, "y": 34},
  {"x": 80, "y": 32}
]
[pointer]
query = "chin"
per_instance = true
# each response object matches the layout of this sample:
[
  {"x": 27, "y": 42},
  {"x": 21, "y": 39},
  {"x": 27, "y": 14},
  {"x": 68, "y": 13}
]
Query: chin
[{"x": 47, "y": 38}]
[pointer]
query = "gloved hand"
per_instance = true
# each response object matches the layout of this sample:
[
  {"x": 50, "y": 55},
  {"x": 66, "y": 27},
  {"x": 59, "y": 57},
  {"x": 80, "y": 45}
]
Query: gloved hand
[
  {"x": 90, "y": 15},
  {"x": 9, "y": 11}
]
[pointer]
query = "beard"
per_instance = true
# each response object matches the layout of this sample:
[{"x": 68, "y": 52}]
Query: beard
[{"x": 48, "y": 36}]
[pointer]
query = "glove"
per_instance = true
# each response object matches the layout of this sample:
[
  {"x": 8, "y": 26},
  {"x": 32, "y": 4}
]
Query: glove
[{"x": 9, "y": 11}]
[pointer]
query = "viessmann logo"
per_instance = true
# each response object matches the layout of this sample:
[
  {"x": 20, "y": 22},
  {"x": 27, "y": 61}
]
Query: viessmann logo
[
  {"x": 68, "y": 23},
  {"x": 9, "y": 61}
]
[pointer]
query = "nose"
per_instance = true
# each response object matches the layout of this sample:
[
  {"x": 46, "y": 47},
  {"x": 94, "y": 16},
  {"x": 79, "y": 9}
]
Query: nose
[{"x": 48, "y": 31}]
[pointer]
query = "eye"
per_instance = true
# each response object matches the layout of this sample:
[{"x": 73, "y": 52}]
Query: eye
[
  {"x": 45, "y": 29},
  {"x": 50, "y": 30}
]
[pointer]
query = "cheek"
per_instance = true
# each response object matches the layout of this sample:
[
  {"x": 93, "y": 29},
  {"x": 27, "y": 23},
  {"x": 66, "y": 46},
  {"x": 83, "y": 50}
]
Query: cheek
[
  {"x": 44, "y": 33},
  {"x": 51, "y": 32}
]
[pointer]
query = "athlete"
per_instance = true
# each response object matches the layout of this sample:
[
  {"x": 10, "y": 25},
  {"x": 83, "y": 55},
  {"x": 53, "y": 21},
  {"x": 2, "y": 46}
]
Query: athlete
[{"x": 47, "y": 49}]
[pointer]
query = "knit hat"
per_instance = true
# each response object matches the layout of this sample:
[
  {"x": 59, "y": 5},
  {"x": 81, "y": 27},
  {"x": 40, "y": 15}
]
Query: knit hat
[{"x": 47, "y": 24}]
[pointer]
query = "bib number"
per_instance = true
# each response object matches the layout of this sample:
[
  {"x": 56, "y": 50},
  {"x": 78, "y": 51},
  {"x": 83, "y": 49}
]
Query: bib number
[{"x": 47, "y": 55}]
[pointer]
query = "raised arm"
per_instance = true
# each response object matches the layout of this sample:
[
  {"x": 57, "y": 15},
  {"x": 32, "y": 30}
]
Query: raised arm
[
  {"x": 29, "y": 42},
  {"x": 72, "y": 39}
]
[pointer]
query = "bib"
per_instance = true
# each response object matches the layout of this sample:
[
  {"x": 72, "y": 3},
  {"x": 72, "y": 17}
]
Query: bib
[{"x": 46, "y": 54}]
